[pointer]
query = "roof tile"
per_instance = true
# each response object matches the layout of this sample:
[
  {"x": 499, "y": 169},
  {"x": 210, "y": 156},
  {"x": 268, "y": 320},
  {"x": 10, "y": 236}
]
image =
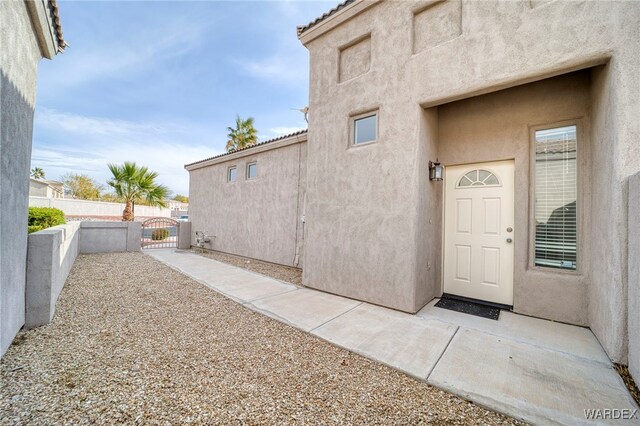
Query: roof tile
[
  {"x": 302, "y": 28},
  {"x": 279, "y": 138},
  {"x": 62, "y": 44}
]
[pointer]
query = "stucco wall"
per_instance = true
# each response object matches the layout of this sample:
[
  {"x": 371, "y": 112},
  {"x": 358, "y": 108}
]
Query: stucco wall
[
  {"x": 428, "y": 238},
  {"x": 498, "y": 126},
  {"x": 72, "y": 207},
  {"x": 634, "y": 276},
  {"x": 109, "y": 237},
  {"x": 19, "y": 56},
  {"x": 52, "y": 253},
  {"x": 364, "y": 206},
  {"x": 184, "y": 235},
  {"x": 257, "y": 218}
]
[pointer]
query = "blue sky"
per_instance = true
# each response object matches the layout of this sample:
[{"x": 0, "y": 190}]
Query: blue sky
[{"x": 159, "y": 82}]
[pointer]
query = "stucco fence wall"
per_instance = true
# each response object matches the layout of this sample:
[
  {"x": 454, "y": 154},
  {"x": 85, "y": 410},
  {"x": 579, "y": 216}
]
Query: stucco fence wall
[
  {"x": 72, "y": 207},
  {"x": 20, "y": 24},
  {"x": 52, "y": 252},
  {"x": 634, "y": 277}
]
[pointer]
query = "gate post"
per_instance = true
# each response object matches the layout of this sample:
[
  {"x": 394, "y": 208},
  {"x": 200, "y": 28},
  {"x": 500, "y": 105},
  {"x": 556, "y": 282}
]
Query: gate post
[
  {"x": 134, "y": 236},
  {"x": 184, "y": 235}
]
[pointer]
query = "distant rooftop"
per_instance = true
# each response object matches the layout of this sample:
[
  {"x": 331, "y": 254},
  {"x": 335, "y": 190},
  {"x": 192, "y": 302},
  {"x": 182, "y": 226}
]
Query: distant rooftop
[
  {"x": 279, "y": 138},
  {"x": 302, "y": 28}
]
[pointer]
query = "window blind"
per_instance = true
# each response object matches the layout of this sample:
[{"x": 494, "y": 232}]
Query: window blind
[{"x": 556, "y": 192}]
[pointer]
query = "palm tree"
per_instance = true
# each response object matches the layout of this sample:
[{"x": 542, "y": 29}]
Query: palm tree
[
  {"x": 243, "y": 135},
  {"x": 37, "y": 173},
  {"x": 132, "y": 183}
]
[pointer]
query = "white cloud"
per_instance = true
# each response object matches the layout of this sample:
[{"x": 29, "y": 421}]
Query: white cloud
[
  {"x": 131, "y": 53},
  {"x": 87, "y": 144},
  {"x": 279, "y": 68},
  {"x": 86, "y": 125},
  {"x": 284, "y": 130},
  {"x": 286, "y": 60}
]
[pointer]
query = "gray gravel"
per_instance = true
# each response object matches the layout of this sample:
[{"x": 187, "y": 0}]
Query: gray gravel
[
  {"x": 623, "y": 370},
  {"x": 136, "y": 342},
  {"x": 279, "y": 272}
]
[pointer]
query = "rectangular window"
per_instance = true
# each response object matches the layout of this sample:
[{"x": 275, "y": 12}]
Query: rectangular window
[
  {"x": 556, "y": 190},
  {"x": 232, "y": 174},
  {"x": 252, "y": 170},
  {"x": 365, "y": 129}
]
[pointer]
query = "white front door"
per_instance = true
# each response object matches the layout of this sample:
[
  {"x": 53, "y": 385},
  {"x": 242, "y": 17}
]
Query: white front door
[{"x": 478, "y": 231}]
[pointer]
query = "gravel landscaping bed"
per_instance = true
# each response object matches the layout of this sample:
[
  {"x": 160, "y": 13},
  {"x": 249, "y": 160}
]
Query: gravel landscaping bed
[
  {"x": 134, "y": 341},
  {"x": 279, "y": 272},
  {"x": 623, "y": 370}
]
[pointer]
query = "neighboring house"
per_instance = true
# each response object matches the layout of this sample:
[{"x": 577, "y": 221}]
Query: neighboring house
[
  {"x": 530, "y": 106},
  {"x": 177, "y": 208},
  {"x": 29, "y": 31},
  {"x": 46, "y": 188}
]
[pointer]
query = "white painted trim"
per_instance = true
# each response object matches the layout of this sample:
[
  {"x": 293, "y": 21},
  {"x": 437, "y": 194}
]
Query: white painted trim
[{"x": 43, "y": 26}]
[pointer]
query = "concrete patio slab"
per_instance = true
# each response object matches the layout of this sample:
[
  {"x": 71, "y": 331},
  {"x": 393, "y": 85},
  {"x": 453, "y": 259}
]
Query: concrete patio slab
[
  {"x": 536, "y": 370},
  {"x": 305, "y": 309},
  {"x": 192, "y": 264},
  {"x": 401, "y": 341},
  {"x": 236, "y": 283},
  {"x": 528, "y": 382},
  {"x": 578, "y": 341},
  {"x": 251, "y": 288}
]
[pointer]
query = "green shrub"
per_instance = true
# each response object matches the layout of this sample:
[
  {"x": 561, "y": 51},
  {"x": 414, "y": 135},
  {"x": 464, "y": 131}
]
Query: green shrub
[
  {"x": 159, "y": 234},
  {"x": 44, "y": 217}
]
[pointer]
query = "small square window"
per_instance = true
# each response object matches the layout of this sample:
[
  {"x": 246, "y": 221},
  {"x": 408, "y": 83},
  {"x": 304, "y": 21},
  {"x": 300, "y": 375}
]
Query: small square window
[
  {"x": 365, "y": 129},
  {"x": 252, "y": 171},
  {"x": 232, "y": 174}
]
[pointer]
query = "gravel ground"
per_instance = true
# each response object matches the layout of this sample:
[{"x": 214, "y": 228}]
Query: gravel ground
[
  {"x": 279, "y": 272},
  {"x": 136, "y": 342},
  {"x": 294, "y": 276},
  {"x": 623, "y": 370}
]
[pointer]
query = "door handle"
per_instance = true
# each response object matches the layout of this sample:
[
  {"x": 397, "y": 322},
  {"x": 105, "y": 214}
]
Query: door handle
[{"x": 509, "y": 240}]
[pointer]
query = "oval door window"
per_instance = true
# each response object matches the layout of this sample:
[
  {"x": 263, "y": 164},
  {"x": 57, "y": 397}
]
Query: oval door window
[{"x": 478, "y": 177}]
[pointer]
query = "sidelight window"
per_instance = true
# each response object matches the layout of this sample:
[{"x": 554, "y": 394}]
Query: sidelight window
[{"x": 555, "y": 197}]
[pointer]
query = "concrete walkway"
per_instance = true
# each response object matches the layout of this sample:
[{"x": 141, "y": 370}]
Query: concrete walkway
[{"x": 535, "y": 370}]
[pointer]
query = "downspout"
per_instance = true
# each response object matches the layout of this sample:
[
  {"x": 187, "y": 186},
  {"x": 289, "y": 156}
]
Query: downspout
[{"x": 296, "y": 256}]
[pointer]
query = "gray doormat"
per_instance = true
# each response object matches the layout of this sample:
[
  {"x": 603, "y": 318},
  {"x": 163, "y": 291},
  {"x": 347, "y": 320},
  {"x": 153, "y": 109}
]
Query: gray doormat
[{"x": 467, "y": 307}]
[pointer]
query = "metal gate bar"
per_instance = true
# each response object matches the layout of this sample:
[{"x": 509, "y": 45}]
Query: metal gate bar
[{"x": 160, "y": 232}]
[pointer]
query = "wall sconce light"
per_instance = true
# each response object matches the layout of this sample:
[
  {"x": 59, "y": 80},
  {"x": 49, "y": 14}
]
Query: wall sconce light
[{"x": 435, "y": 171}]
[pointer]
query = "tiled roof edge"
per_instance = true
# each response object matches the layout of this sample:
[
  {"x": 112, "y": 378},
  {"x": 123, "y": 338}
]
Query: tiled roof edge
[
  {"x": 279, "y": 138},
  {"x": 302, "y": 28},
  {"x": 56, "y": 21}
]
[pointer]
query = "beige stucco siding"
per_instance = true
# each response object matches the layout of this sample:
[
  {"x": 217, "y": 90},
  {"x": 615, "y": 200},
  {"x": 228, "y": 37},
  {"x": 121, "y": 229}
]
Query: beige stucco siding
[
  {"x": 19, "y": 56},
  {"x": 259, "y": 218},
  {"x": 39, "y": 189},
  {"x": 20, "y": 51},
  {"x": 45, "y": 189},
  {"x": 374, "y": 231}
]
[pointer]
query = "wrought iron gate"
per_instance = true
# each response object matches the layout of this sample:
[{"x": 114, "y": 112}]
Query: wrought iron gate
[{"x": 160, "y": 232}]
